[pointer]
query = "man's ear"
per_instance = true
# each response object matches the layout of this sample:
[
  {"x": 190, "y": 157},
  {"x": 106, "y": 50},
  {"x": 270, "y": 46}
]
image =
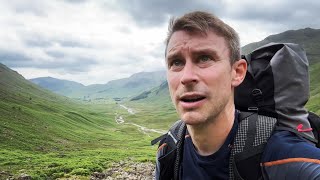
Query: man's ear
[{"x": 239, "y": 70}]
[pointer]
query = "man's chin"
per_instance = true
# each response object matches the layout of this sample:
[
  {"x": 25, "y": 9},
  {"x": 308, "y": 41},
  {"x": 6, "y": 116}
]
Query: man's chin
[{"x": 192, "y": 118}]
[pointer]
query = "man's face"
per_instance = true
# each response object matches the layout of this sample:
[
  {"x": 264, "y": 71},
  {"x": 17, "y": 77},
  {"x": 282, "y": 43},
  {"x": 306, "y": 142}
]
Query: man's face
[{"x": 199, "y": 75}]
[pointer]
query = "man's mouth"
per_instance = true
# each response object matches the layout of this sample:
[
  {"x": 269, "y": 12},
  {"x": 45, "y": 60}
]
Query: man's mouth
[{"x": 192, "y": 98}]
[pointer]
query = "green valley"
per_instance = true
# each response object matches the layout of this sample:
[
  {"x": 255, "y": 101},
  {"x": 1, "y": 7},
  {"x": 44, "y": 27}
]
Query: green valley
[{"x": 49, "y": 136}]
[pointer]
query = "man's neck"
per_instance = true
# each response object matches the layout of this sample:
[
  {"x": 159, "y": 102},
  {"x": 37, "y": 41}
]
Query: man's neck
[{"x": 209, "y": 137}]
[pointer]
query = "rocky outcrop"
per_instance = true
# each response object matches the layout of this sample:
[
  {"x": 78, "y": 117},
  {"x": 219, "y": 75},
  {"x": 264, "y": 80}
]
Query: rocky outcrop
[
  {"x": 126, "y": 170},
  {"x": 24, "y": 177}
]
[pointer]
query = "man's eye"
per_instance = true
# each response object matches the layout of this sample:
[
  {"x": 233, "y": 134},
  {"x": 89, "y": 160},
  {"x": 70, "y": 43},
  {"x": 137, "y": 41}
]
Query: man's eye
[
  {"x": 204, "y": 58},
  {"x": 176, "y": 63}
]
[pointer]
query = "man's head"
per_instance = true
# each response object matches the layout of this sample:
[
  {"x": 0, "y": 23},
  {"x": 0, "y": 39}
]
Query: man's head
[
  {"x": 204, "y": 66},
  {"x": 203, "y": 22}
]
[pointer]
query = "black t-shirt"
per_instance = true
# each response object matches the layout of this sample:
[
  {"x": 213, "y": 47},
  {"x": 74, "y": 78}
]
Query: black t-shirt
[{"x": 214, "y": 166}]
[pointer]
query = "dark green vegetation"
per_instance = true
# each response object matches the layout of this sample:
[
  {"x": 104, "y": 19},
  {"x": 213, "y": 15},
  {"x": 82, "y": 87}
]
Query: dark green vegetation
[
  {"x": 314, "y": 101},
  {"x": 49, "y": 136}
]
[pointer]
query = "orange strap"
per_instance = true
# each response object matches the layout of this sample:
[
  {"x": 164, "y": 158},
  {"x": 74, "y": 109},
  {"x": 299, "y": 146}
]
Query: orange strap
[
  {"x": 290, "y": 160},
  {"x": 163, "y": 145}
]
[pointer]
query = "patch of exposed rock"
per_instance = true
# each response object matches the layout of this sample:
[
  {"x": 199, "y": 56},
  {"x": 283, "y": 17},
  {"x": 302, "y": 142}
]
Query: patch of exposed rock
[{"x": 126, "y": 170}]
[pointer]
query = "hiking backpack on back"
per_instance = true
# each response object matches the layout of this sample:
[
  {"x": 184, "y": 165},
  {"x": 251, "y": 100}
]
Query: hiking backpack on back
[
  {"x": 276, "y": 88},
  {"x": 273, "y": 95}
]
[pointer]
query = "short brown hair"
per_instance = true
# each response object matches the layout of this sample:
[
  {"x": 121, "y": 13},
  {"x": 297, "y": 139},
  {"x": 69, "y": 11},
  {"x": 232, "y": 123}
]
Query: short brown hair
[{"x": 203, "y": 22}]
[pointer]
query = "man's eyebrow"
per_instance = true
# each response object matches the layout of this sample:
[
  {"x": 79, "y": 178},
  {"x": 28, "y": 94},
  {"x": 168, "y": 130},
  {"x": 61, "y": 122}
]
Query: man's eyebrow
[
  {"x": 173, "y": 55},
  {"x": 204, "y": 50},
  {"x": 208, "y": 51}
]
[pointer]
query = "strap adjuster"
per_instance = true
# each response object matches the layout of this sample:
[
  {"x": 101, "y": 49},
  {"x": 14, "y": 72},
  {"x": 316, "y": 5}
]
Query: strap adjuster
[{"x": 257, "y": 95}]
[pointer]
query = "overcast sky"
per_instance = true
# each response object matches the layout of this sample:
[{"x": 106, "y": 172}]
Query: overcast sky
[{"x": 95, "y": 41}]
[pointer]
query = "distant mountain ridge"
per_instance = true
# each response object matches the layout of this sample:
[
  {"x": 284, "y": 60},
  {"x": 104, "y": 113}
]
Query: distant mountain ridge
[
  {"x": 120, "y": 88},
  {"x": 59, "y": 86}
]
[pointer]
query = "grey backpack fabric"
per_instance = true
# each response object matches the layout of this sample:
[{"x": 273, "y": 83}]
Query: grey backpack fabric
[{"x": 277, "y": 84}]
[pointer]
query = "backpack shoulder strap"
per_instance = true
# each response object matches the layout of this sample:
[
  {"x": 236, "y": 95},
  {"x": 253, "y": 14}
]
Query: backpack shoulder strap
[
  {"x": 180, "y": 144},
  {"x": 253, "y": 133},
  {"x": 173, "y": 132},
  {"x": 169, "y": 153}
]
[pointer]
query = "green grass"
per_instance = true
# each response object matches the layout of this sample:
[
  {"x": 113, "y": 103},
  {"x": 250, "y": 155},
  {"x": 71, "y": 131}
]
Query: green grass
[
  {"x": 63, "y": 140},
  {"x": 314, "y": 101},
  {"x": 49, "y": 136},
  {"x": 68, "y": 163}
]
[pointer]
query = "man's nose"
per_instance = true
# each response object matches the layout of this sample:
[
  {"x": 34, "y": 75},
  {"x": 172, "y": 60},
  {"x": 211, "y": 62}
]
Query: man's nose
[{"x": 189, "y": 74}]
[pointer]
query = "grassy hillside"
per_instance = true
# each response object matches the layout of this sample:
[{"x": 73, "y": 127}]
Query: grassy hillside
[
  {"x": 49, "y": 136},
  {"x": 314, "y": 102},
  {"x": 155, "y": 108}
]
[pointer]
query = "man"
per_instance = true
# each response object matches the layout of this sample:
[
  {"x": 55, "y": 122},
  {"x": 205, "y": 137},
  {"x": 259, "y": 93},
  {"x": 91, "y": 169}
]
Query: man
[{"x": 204, "y": 67}]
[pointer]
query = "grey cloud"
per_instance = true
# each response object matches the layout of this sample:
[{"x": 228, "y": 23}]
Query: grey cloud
[
  {"x": 14, "y": 59},
  {"x": 71, "y": 65},
  {"x": 36, "y": 7},
  {"x": 75, "y": 1},
  {"x": 36, "y": 40},
  {"x": 292, "y": 14},
  {"x": 155, "y": 12},
  {"x": 72, "y": 43},
  {"x": 55, "y": 54},
  {"x": 61, "y": 62},
  {"x": 124, "y": 29}
]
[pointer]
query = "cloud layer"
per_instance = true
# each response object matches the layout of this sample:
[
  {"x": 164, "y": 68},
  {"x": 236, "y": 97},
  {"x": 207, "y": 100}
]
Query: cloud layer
[{"x": 92, "y": 41}]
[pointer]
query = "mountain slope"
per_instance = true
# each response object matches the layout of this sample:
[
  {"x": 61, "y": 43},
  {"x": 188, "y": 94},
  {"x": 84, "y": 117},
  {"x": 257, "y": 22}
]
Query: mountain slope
[
  {"x": 59, "y": 86},
  {"x": 49, "y": 136},
  {"x": 33, "y": 117}
]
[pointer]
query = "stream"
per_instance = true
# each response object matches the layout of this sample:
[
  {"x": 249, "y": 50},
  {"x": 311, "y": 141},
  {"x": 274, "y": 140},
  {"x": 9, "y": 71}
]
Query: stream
[{"x": 120, "y": 120}]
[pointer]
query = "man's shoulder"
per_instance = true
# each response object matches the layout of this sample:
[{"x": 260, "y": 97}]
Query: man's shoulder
[
  {"x": 285, "y": 144},
  {"x": 288, "y": 155}
]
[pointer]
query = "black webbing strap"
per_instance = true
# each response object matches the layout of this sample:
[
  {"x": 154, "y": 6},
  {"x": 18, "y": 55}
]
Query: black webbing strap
[
  {"x": 179, "y": 155},
  {"x": 252, "y": 129},
  {"x": 172, "y": 132},
  {"x": 247, "y": 160},
  {"x": 155, "y": 141}
]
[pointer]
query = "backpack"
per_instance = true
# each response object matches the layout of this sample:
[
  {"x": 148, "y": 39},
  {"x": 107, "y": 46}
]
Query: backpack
[{"x": 269, "y": 99}]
